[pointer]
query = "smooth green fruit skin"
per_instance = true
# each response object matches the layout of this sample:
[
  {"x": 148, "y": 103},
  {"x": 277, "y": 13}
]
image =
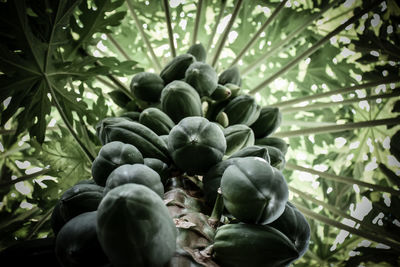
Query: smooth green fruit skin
[
  {"x": 254, "y": 191},
  {"x": 196, "y": 144},
  {"x": 221, "y": 93},
  {"x": 230, "y": 75},
  {"x": 253, "y": 151},
  {"x": 277, "y": 142},
  {"x": 198, "y": 51},
  {"x": 237, "y": 137},
  {"x": 135, "y": 228},
  {"x": 156, "y": 120},
  {"x": 176, "y": 68},
  {"x": 212, "y": 180},
  {"x": 111, "y": 156},
  {"x": 147, "y": 86},
  {"x": 131, "y": 115},
  {"x": 180, "y": 100},
  {"x": 77, "y": 244},
  {"x": 160, "y": 167},
  {"x": 202, "y": 77},
  {"x": 294, "y": 225},
  {"x": 78, "y": 199},
  {"x": 277, "y": 157},
  {"x": 242, "y": 110},
  {"x": 269, "y": 120},
  {"x": 138, "y": 135},
  {"x": 137, "y": 174},
  {"x": 245, "y": 245}
]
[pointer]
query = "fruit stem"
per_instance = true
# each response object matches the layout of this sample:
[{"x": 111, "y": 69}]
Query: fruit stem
[
  {"x": 217, "y": 210},
  {"x": 169, "y": 27}
]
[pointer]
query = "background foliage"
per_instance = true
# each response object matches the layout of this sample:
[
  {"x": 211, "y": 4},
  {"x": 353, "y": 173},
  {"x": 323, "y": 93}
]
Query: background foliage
[{"x": 65, "y": 65}]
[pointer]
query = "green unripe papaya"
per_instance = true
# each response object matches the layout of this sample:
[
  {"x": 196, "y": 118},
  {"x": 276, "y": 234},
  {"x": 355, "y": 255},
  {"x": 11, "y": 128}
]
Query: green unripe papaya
[
  {"x": 160, "y": 167},
  {"x": 395, "y": 145},
  {"x": 277, "y": 157},
  {"x": 294, "y": 225},
  {"x": 222, "y": 119},
  {"x": 230, "y": 75},
  {"x": 195, "y": 144},
  {"x": 242, "y": 110},
  {"x": 119, "y": 98},
  {"x": 269, "y": 120},
  {"x": 243, "y": 245},
  {"x": 136, "y": 174},
  {"x": 147, "y": 86},
  {"x": 156, "y": 120},
  {"x": 221, "y": 93},
  {"x": 176, "y": 68},
  {"x": 180, "y": 100},
  {"x": 252, "y": 151},
  {"x": 131, "y": 115},
  {"x": 277, "y": 142},
  {"x": 104, "y": 123},
  {"x": 134, "y": 227},
  {"x": 76, "y": 200},
  {"x": 237, "y": 137},
  {"x": 212, "y": 180},
  {"x": 202, "y": 77},
  {"x": 235, "y": 89},
  {"x": 136, "y": 134},
  {"x": 263, "y": 191},
  {"x": 215, "y": 108},
  {"x": 198, "y": 51},
  {"x": 77, "y": 244},
  {"x": 111, "y": 156}
]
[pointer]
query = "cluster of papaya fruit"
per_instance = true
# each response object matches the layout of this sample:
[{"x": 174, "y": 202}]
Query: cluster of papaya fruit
[{"x": 190, "y": 177}]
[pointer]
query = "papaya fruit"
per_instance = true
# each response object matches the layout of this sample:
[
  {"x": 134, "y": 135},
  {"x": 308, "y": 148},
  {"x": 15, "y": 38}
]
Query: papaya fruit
[
  {"x": 136, "y": 134},
  {"x": 277, "y": 142},
  {"x": 180, "y": 100},
  {"x": 243, "y": 245},
  {"x": 137, "y": 174},
  {"x": 131, "y": 115},
  {"x": 242, "y": 110},
  {"x": 76, "y": 200},
  {"x": 252, "y": 151},
  {"x": 263, "y": 191},
  {"x": 202, "y": 77},
  {"x": 160, "y": 167},
  {"x": 77, "y": 244},
  {"x": 277, "y": 157},
  {"x": 294, "y": 225},
  {"x": 221, "y": 93},
  {"x": 230, "y": 75},
  {"x": 196, "y": 144},
  {"x": 198, "y": 51},
  {"x": 111, "y": 156},
  {"x": 238, "y": 136},
  {"x": 156, "y": 120},
  {"x": 134, "y": 227},
  {"x": 176, "y": 68},
  {"x": 269, "y": 120},
  {"x": 147, "y": 86}
]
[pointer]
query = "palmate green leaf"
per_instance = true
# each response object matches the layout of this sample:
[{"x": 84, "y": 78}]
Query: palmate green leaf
[
  {"x": 33, "y": 66},
  {"x": 66, "y": 162},
  {"x": 92, "y": 20}
]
